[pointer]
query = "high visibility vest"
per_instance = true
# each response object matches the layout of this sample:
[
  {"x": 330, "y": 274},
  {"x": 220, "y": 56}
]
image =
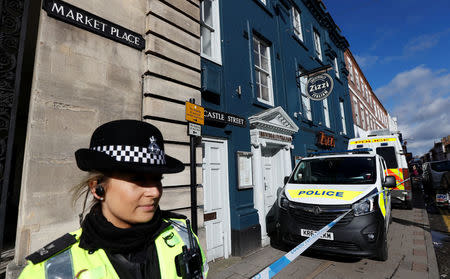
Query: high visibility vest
[{"x": 75, "y": 262}]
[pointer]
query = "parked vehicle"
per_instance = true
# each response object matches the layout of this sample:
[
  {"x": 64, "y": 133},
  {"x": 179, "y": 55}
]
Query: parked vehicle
[
  {"x": 390, "y": 148},
  {"x": 433, "y": 171},
  {"x": 323, "y": 187},
  {"x": 432, "y": 178}
]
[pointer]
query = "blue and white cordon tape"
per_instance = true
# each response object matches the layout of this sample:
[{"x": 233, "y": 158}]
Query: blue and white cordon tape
[{"x": 290, "y": 256}]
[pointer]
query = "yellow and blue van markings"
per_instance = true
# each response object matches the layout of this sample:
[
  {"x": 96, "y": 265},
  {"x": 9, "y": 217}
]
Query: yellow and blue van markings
[
  {"x": 372, "y": 140},
  {"x": 320, "y": 193},
  {"x": 381, "y": 203}
]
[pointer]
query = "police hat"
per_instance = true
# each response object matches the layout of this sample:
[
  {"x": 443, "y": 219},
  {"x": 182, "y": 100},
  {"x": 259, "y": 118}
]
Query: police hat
[{"x": 128, "y": 146}]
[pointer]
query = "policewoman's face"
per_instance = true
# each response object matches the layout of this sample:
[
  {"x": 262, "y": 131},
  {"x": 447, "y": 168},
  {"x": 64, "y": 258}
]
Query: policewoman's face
[{"x": 131, "y": 198}]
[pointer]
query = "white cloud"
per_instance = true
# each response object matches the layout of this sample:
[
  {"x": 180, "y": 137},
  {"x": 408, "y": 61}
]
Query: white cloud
[
  {"x": 417, "y": 44},
  {"x": 424, "y": 42},
  {"x": 420, "y": 98},
  {"x": 366, "y": 61}
]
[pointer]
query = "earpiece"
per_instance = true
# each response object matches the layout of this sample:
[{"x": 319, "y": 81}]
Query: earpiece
[{"x": 100, "y": 191}]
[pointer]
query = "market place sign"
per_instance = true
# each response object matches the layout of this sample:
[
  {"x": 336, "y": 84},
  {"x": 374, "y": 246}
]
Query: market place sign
[
  {"x": 87, "y": 21},
  {"x": 319, "y": 87}
]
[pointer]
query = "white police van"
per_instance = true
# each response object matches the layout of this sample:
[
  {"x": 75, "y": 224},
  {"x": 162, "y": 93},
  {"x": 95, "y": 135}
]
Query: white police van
[{"x": 323, "y": 187}]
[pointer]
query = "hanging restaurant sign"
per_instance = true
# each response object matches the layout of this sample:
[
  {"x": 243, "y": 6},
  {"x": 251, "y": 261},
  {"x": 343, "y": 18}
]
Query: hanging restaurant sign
[
  {"x": 85, "y": 20},
  {"x": 224, "y": 118},
  {"x": 319, "y": 87}
]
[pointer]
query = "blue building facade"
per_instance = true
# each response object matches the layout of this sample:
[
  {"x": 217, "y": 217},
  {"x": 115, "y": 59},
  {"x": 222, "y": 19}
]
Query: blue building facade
[{"x": 256, "y": 59}]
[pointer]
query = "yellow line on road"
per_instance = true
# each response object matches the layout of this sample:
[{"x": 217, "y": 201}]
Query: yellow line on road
[{"x": 446, "y": 217}]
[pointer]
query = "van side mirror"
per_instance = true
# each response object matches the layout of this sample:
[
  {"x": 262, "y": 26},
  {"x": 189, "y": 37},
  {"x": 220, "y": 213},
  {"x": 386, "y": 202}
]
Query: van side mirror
[
  {"x": 286, "y": 179},
  {"x": 390, "y": 182}
]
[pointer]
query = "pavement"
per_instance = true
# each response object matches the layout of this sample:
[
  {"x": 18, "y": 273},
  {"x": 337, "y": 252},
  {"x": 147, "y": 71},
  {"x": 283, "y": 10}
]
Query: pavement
[{"x": 411, "y": 255}]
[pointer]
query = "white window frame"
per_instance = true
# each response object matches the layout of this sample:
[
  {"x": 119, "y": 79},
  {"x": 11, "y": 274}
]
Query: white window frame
[
  {"x": 259, "y": 71},
  {"x": 367, "y": 120},
  {"x": 216, "y": 53},
  {"x": 365, "y": 88},
  {"x": 356, "y": 108},
  {"x": 363, "y": 120},
  {"x": 350, "y": 66},
  {"x": 358, "y": 85},
  {"x": 326, "y": 112},
  {"x": 336, "y": 67},
  {"x": 306, "y": 102},
  {"x": 317, "y": 46},
  {"x": 344, "y": 127},
  {"x": 297, "y": 23}
]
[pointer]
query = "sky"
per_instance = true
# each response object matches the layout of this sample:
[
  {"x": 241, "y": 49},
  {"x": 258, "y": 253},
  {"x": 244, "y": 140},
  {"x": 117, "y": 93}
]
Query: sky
[{"x": 403, "y": 49}]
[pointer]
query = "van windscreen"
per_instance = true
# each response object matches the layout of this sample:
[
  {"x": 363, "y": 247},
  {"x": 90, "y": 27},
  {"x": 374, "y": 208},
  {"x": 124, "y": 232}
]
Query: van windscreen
[
  {"x": 440, "y": 166},
  {"x": 388, "y": 154},
  {"x": 345, "y": 170}
]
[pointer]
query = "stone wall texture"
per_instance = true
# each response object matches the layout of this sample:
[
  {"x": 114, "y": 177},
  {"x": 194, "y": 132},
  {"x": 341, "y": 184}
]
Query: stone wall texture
[{"x": 81, "y": 80}]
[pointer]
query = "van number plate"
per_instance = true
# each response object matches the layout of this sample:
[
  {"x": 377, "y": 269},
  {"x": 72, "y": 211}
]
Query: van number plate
[
  {"x": 441, "y": 198},
  {"x": 308, "y": 233}
]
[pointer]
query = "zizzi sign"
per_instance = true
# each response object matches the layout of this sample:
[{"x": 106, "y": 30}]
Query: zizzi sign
[
  {"x": 85, "y": 20},
  {"x": 319, "y": 87}
]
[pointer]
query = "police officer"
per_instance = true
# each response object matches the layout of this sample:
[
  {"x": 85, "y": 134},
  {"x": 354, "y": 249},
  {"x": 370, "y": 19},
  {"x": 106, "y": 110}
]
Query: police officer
[{"x": 125, "y": 234}]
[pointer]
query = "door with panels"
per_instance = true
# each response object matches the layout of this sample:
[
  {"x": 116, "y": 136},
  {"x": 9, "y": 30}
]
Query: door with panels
[{"x": 216, "y": 199}]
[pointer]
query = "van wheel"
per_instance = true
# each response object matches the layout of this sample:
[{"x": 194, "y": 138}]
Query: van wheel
[{"x": 382, "y": 252}]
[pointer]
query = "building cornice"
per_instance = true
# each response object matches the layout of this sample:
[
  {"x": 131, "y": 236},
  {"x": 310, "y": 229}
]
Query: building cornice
[{"x": 317, "y": 9}]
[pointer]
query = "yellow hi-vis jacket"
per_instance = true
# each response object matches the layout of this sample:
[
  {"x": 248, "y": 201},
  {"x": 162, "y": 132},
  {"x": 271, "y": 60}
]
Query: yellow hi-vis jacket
[{"x": 75, "y": 262}]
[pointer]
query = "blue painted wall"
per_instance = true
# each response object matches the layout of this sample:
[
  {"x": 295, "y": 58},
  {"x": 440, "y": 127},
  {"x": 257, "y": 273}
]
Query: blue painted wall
[{"x": 240, "y": 20}]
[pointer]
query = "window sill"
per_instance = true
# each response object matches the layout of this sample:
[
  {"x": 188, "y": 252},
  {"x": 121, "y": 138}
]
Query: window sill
[
  {"x": 264, "y": 7},
  {"x": 338, "y": 79},
  {"x": 309, "y": 122},
  {"x": 299, "y": 41},
  {"x": 211, "y": 59},
  {"x": 258, "y": 103},
  {"x": 318, "y": 60},
  {"x": 329, "y": 130}
]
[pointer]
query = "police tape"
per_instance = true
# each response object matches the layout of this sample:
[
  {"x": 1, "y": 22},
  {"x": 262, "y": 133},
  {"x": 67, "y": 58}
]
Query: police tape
[
  {"x": 290, "y": 256},
  {"x": 403, "y": 181}
]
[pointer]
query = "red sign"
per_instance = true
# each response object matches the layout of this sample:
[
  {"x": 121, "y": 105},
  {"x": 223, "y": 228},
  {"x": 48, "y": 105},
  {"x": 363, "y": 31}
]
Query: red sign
[{"x": 325, "y": 140}]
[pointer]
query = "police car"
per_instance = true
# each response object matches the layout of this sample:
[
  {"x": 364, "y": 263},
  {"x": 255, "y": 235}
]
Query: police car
[{"x": 323, "y": 187}]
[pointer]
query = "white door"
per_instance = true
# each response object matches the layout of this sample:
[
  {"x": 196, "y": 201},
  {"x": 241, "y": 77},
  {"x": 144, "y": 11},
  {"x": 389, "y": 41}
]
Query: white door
[
  {"x": 216, "y": 211},
  {"x": 272, "y": 174}
]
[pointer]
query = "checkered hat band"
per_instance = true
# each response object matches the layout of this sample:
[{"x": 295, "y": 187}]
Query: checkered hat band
[{"x": 135, "y": 154}]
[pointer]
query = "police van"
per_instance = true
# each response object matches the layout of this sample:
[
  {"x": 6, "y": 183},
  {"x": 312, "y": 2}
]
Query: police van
[
  {"x": 323, "y": 187},
  {"x": 389, "y": 147}
]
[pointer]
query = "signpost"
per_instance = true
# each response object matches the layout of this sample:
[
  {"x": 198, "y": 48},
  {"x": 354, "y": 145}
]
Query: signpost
[{"x": 195, "y": 117}]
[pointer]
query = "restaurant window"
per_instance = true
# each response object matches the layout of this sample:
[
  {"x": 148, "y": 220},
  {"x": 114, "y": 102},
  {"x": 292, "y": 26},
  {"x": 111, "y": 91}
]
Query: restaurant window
[
  {"x": 263, "y": 73},
  {"x": 317, "y": 47},
  {"x": 210, "y": 31},
  {"x": 336, "y": 67},
  {"x": 297, "y": 24},
  {"x": 326, "y": 112},
  {"x": 306, "y": 102},
  {"x": 344, "y": 127}
]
